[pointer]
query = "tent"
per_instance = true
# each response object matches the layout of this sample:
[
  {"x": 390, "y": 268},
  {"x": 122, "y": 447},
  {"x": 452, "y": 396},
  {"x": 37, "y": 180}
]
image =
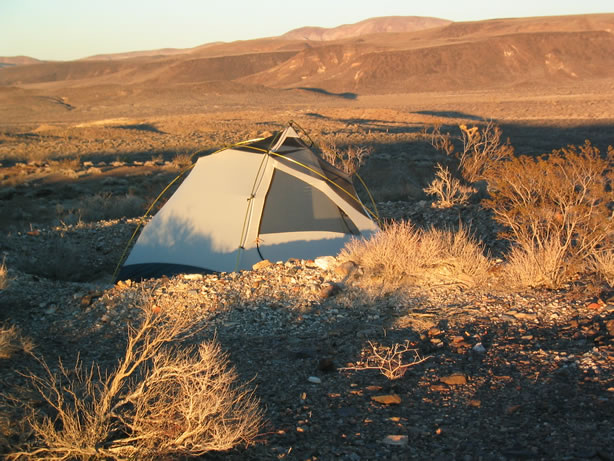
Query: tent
[{"x": 270, "y": 198}]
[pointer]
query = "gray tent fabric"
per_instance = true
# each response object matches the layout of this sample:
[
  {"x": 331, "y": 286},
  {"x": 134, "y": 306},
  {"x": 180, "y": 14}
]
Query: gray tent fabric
[{"x": 268, "y": 199}]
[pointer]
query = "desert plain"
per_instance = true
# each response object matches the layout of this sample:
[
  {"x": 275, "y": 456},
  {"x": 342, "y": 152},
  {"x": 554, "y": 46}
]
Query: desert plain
[{"x": 86, "y": 145}]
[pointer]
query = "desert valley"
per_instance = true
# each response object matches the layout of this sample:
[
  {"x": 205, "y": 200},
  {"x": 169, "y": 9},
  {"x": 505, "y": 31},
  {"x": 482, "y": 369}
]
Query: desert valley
[{"x": 342, "y": 359}]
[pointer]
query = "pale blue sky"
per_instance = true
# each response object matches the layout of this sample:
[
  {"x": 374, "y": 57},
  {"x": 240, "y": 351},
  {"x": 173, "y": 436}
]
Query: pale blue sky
[{"x": 72, "y": 29}]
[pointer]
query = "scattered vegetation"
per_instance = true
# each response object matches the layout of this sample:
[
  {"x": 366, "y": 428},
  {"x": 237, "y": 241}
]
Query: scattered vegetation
[
  {"x": 555, "y": 209},
  {"x": 401, "y": 253},
  {"x": 161, "y": 401}
]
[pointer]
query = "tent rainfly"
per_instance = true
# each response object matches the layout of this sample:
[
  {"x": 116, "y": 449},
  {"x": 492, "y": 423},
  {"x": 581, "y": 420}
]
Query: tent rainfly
[{"x": 270, "y": 198}]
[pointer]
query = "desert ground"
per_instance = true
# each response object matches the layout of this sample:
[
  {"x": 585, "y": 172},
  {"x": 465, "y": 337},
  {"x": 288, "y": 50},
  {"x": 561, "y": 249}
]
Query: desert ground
[{"x": 86, "y": 146}]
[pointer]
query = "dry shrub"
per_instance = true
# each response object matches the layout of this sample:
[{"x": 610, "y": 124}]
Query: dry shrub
[
  {"x": 4, "y": 277},
  {"x": 447, "y": 190},
  {"x": 477, "y": 149},
  {"x": 401, "y": 254},
  {"x": 182, "y": 160},
  {"x": 160, "y": 401},
  {"x": 390, "y": 361},
  {"x": 108, "y": 206},
  {"x": 536, "y": 266},
  {"x": 555, "y": 210},
  {"x": 602, "y": 263},
  {"x": 12, "y": 342},
  {"x": 348, "y": 159},
  {"x": 58, "y": 258}
]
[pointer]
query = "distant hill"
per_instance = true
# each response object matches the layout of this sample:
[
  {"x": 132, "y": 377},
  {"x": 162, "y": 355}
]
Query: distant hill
[
  {"x": 368, "y": 26},
  {"x": 378, "y": 55},
  {"x": 10, "y": 61}
]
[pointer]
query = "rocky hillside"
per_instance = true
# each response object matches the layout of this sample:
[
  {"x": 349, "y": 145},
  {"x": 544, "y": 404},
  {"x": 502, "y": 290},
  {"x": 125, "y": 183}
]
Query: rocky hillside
[{"x": 382, "y": 55}]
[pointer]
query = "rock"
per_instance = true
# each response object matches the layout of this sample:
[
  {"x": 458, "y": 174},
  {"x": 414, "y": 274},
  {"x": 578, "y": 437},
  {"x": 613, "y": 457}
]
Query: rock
[
  {"x": 455, "y": 379},
  {"x": 439, "y": 388},
  {"x": 314, "y": 380},
  {"x": 325, "y": 262},
  {"x": 609, "y": 325},
  {"x": 594, "y": 306},
  {"x": 328, "y": 290},
  {"x": 345, "y": 269},
  {"x": 326, "y": 365},
  {"x": 388, "y": 399},
  {"x": 193, "y": 276},
  {"x": 262, "y": 264},
  {"x": 524, "y": 316},
  {"x": 479, "y": 348},
  {"x": 396, "y": 440}
]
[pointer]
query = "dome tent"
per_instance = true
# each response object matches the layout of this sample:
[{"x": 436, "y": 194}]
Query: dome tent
[{"x": 270, "y": 198}]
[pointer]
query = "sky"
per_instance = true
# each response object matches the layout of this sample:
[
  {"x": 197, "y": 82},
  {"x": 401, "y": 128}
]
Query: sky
[{"x": 73, "y": 29}]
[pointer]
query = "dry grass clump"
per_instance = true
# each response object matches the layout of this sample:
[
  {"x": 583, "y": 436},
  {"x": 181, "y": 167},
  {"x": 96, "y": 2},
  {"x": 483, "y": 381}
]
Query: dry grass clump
[
  {"x": 12, "y": 342},
  {"x": 555, "y": 210},
  {"x": 161, "y": 401},
  {"x": 602, "y": 263},
  {"x": 4, "y": 277},
  {"x": 448, "y": 190},
  {"x": 105, "y": 205},
  {"x": 182, "y": 160},
  {"x": 401, "y": 254}
]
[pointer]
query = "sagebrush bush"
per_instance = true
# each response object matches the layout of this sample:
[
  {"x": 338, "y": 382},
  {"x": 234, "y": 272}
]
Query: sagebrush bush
[
  {"x": 448, "y": 190},
  {"x": 555, "y": 210},
  {"x": 161, "y": 401},
  {"x": 402, "y": 254}
]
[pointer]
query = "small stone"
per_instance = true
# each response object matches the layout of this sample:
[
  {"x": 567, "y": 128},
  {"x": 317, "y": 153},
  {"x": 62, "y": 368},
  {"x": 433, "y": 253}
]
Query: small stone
[
  {"x": 396, "y": 440},
  {"x": 512, "y": 409},
  {"x": 475, "y": 403},
  {"x": 594, "y": 306},
  {"x": 454, "y": 379},
  {"x": 193, "y": 276},
  {"x": 86, "y": 300},
  {"x": 439, "y": 388},
  {"x": 479, "y": 348},
  {"x": 314, "y": 380},
  {"x": 262, "y": 264},
  {"x": 609, "y": 325},
  {"x": 388, "y": 399}
]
